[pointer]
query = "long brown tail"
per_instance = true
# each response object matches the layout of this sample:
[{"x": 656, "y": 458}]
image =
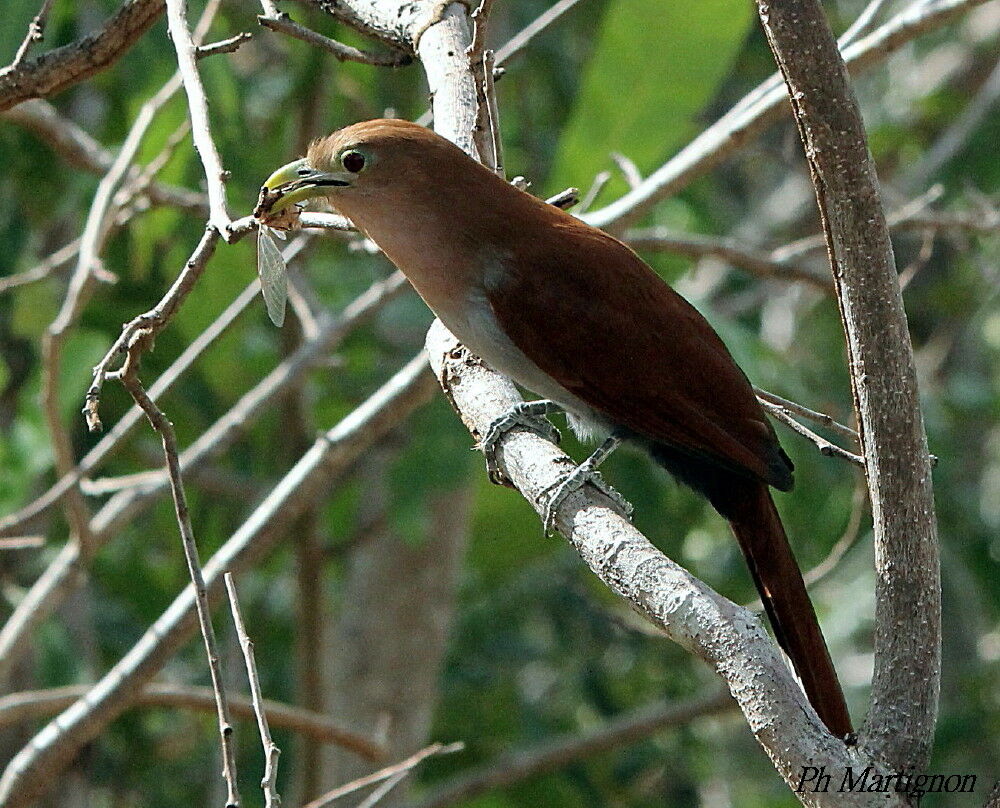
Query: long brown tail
[{"x": 755, "y": 521}]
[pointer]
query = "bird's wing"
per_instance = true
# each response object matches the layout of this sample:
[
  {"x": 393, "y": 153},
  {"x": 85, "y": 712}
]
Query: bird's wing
[{"x": 592, "y": 315}]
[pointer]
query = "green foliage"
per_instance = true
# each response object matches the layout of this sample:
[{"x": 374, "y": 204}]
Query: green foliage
[{"x": 657, "y": 69}]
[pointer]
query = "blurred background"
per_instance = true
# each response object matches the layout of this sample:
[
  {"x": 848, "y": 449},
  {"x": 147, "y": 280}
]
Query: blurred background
[{"x": 416, "y": 601}]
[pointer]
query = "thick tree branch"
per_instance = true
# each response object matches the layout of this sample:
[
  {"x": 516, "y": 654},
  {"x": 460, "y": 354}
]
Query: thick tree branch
[
  {"x": 727, "y": 636},
  {"x": 900, "y": 726}
]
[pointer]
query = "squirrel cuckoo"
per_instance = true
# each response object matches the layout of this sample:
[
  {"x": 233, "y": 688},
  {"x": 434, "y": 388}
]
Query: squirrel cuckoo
[{"x": 574, "y": 315}]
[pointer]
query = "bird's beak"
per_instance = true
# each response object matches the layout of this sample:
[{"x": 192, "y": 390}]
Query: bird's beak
[{"x": 298, "y": 181}]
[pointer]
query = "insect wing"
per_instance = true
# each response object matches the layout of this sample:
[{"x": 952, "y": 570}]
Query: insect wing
[{"x": 273, "y": 280}]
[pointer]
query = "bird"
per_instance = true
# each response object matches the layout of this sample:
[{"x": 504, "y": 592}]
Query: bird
[{"x": 576, "y": 316}]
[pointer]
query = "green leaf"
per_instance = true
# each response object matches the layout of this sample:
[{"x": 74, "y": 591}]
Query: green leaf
[{"x": 648, "y": 79}]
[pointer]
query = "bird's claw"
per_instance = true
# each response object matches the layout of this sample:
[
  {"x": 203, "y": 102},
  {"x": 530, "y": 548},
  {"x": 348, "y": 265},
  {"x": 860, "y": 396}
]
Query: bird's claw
[
  {"x": 527, "y": 414},
  {"x": 556, "y": 493}
]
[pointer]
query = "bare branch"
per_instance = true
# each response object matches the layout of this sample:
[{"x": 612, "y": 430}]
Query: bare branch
[
  {"x": 269, "y": 783},
  {"x": 63, "y": 574},
  {"x": 22, "y": 543},
  {"x": 18, "y": 708},
  {"x": 900, "y": 726},
  {"x": 825, "y": 447},
  {"x": 279, "y": 21},
  {"x": 129, "y": 376},
  {"x": 385, "y": 774},
  {"x": 150, "y": 322},
  {"x": 729, "y": 250},
  {"x": 524, "y": 37},
  {"x": 63, "y": 67},
  {"x": 215, "y": 176}
]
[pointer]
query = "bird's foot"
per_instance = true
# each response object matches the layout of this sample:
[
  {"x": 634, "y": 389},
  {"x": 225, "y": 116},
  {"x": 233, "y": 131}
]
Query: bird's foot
[
  {"x": 555, "y": 494},
  {"x": 527, "y": 414}
]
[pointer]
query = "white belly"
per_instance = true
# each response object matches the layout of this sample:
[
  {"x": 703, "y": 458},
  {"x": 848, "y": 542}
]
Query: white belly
[{"x": 479, "y": 331}]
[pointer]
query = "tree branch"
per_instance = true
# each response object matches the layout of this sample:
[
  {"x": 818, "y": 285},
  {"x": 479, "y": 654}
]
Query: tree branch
[
  {"x": 63, "y": 67},
  {"x": 900, "y": 726},
  {"x": 17, "y": 708},
  {"x": 727, "y": 636}
]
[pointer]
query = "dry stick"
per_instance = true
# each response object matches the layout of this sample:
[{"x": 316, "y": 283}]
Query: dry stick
[
  {"x": 384, "y": 774},
  {"x": 19, "y": 708},
  {"x": 129, "y": 378},
  {"x": 77, "y": 295},
  {"x": 556, "y": 753},
  {"x": 113, "y": 439},
  {"x": 729, "y": 250},
  {"x": 481, "y": 61},
  {"x": 98, "y": 225},
  {"x": 36, "y": 31},
  {"x": 900, "y": 725},
  {"x": 279, "y": 21},
  {"x": 728, "y": 637},
  {"x": 187, "y": 64},
  {"x": 769, "y": 102},
  {"x": 33, "y": 769},
  {"x": 269, "y": 783},
  {"x": 70, "y": 64}
]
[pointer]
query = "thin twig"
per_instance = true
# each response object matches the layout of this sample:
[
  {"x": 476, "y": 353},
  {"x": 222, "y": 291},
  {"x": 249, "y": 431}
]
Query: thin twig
[
  {"x": 798, "y": 409},
  {"x": 376, "y": 796},
  {"x": 187, "y": 64},
  {"x": 384, "y": 774},
  {"x": 27, "y": 706},
  {"x": 517, "y": 43},
  {"x": 269, "y": 783},
  {"x": 279, "y": 21},
  {"x": 129, "y": 378},
  {"x": 36, "y": 33},
  {"x": 825, "y": 447},
  {"x": 150, "y": 322},
  {"x": 732, "y": 252},
  {"x": 32, "y": 770},
  {"x": 630, "y": 171}
]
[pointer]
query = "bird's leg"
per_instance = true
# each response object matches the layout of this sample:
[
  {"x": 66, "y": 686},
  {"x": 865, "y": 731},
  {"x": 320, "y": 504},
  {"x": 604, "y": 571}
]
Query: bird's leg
[
  {"x": 586, "y": 472},
  {"x": 529, "y": 414}
]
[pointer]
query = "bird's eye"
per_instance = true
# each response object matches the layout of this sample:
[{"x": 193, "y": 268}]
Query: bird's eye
[{"x": 353, "y": 161}]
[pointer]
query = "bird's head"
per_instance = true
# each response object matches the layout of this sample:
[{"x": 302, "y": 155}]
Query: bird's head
[{"x": 362, "y": 164}]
